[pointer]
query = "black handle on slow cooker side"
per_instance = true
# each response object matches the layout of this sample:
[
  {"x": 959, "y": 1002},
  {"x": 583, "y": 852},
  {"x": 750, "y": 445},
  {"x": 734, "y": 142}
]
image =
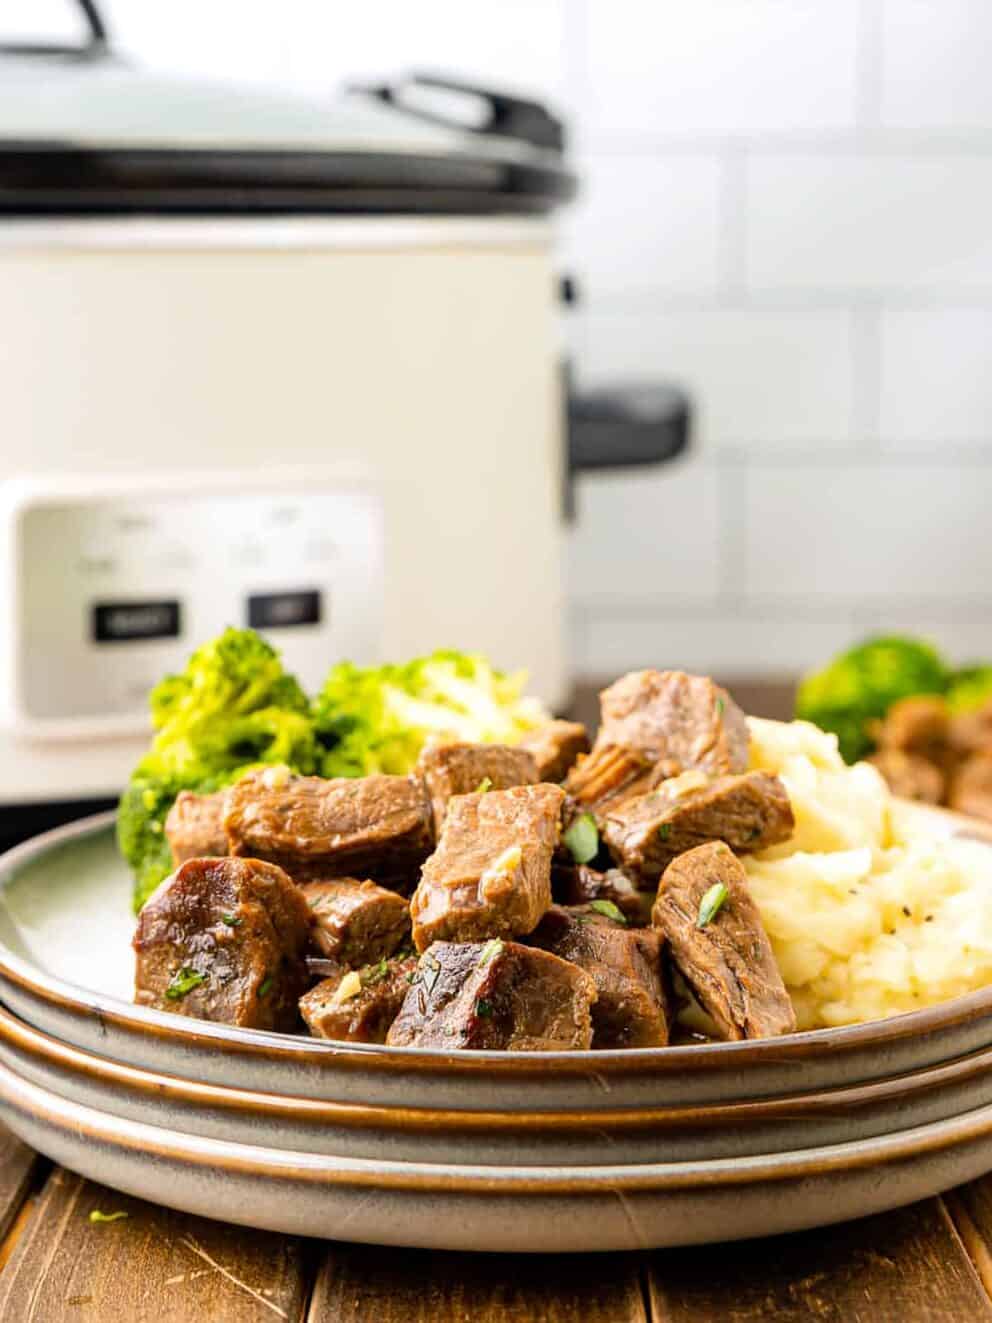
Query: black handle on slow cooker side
[
  {"x": 623, "y": 427},
  {"x": 626, "y": 426}
]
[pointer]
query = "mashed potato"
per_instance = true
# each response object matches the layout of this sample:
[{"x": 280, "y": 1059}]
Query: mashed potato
[{"x": 869, "y": 909}]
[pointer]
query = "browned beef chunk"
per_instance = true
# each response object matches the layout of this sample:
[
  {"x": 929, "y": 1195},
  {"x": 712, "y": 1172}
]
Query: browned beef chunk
[
  {"x": 461, "y": 769},
  {"x": 195, "y": 826},
  {"x": 490, "y": 875},
  {"x": 625, "y": 965},
  {"x": 555, "y": 747},
  {"x": 375, "y": 826},
  {"x": 971, "y": 788},
  {"x": 359, "y": 1005},
  {"x": 918, "y": 725},
  {"x": 910, "y": 775},
  {"x": 749, "y": 812},
  {"x": 683, "y": 720},
  {"x": 728, "y": 961},
  {"x": 578, "y": 885},
  {"x": 609, "y": 773},
  {"x": 356, "y": 923},
  {"x": 971, "y": 732},
  {"x": 224, "y": 939},
  {"x": 495, "y": 995}
]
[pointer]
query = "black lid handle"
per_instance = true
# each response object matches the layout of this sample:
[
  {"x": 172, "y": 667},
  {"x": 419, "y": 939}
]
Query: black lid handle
[
  {"x": 508, "y": 116},
  {"x": 94, "y": 21}
]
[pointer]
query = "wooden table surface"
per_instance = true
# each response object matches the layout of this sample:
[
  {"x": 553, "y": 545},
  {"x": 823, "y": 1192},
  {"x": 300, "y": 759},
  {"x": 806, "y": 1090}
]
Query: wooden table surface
[{"x": 931, "y": 1263}]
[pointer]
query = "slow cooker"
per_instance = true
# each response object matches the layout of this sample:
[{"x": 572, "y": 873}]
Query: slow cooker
[{"x": 264, "y": 360}]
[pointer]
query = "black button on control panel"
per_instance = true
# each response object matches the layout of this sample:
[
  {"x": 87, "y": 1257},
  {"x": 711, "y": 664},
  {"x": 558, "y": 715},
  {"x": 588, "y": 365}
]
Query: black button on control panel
[
  {"x": 283, "y": 610},
  {"x": 128, "y": 622}
]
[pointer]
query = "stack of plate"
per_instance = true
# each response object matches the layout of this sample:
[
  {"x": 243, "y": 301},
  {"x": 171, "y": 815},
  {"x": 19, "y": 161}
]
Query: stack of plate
[{"x": 461, "y": 1150}]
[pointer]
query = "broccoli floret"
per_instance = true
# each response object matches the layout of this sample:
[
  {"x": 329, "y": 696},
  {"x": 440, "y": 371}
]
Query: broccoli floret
[
  {"x": 232, "y": 708},
  {"x": 970, "y": 688},
  {"x": 861, "y": 685},
  {"x": 376, "y": 719}
]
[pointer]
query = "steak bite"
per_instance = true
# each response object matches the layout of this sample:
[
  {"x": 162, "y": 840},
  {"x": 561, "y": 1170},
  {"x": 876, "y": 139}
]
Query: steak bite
[
  {"x": 490, "y": 875},
  {"x": 717, "y": 940},
  {"x": 920, "y": 725},
  {"x": 195, "y": 826},
  {"x": 555, "y": 746},
  {"x": 578, "y": 885},
  {"x": 685, "y": 721},
  {"x": 375, "y": 826},
  {"x": 460, "y": 769},
  {"x": 495, "y": 995},
  {"x": 610, "y": 772},
  {"x": 356, "y": 923},
  {"x": 971, "y": 732},
  {"x": 645, "y": 832},
  {"x": 625, "y": 965},
  {"x": 971, "y": 787},
  {"x": 910, "y": 775},
  {"x": 225, "y": 940},
  {"x": 359, "y": 1005}
]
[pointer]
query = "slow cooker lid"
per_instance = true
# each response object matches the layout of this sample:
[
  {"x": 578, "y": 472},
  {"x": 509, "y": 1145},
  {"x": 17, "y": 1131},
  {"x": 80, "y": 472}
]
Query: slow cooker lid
[{"x": 81, "y": 130}]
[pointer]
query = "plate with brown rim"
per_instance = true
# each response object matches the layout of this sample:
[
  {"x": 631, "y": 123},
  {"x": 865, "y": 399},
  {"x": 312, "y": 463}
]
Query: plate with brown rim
[
  {"x": 601, "y": 1137},
  {"x": 478, "y": 1207},
  {"x": 66, "y": 969}
]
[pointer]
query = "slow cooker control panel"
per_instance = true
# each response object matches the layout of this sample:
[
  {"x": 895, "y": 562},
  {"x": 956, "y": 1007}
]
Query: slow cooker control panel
[{"x": 111, "y": 587}]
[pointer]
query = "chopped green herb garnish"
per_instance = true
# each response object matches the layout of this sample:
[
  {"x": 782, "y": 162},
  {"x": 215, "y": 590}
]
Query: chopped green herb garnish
[
  {"x": 582, "y": 838},
  {"x": 489, "y": 952},
  {"x": 711, "y": 902},
  {"x": 484, "y": 1009},
  {"x": 265, "y": 987},
  {"x": 719, "y": 707},
  {"x": 755, "y": 833},
  {"x": 184, "y": 980},
  {"x": 97, "y": 1216},
  {"x": 231, "y": 920},
  {"x": 611, "y": 911},
  {"x": 375, "y": 973},
  {"x": 429, "y": 971},
  {"x": 664, "y": 831},
  {"x": 485, "y": 784}
]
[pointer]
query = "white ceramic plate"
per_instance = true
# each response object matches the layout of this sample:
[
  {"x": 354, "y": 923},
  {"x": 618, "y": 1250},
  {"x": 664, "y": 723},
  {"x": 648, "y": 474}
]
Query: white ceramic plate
[
  {"x": 66, "y": 968},
  {"x": 539, "y": 1209},
  {"x": 601, "y": 1137}
]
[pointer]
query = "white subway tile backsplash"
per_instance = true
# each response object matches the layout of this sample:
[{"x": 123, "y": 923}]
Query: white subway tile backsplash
[
  {"x": 935, "y": 72},
  {"x": 873, "y": 531},
  {"x": 723, "y": 67},
  {"x": 776, "y": 377},
  {"x": 787, "y": 208},
  {"x": 649, "y": 535},
  {"x": 645, "y": 225},
  {"x": 936, "y": 386},
  {"x": 869, "y": 222},
  {"x": 724, "y": 644}
]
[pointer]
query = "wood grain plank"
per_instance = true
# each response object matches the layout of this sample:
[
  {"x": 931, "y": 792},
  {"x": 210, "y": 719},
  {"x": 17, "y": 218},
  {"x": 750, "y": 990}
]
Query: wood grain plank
[
  {"x": 360, "y": 1284},
  {"x": 152, "y": 1265},
  {"x": 18, "y": 1165},
  {"x": 970, "y": 1209},
  {"x": 908, "y": 1265}
]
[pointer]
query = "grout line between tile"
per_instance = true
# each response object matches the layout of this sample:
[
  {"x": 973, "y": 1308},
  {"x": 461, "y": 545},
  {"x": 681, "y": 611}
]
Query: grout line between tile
[{"x": 868, "y": 72}]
